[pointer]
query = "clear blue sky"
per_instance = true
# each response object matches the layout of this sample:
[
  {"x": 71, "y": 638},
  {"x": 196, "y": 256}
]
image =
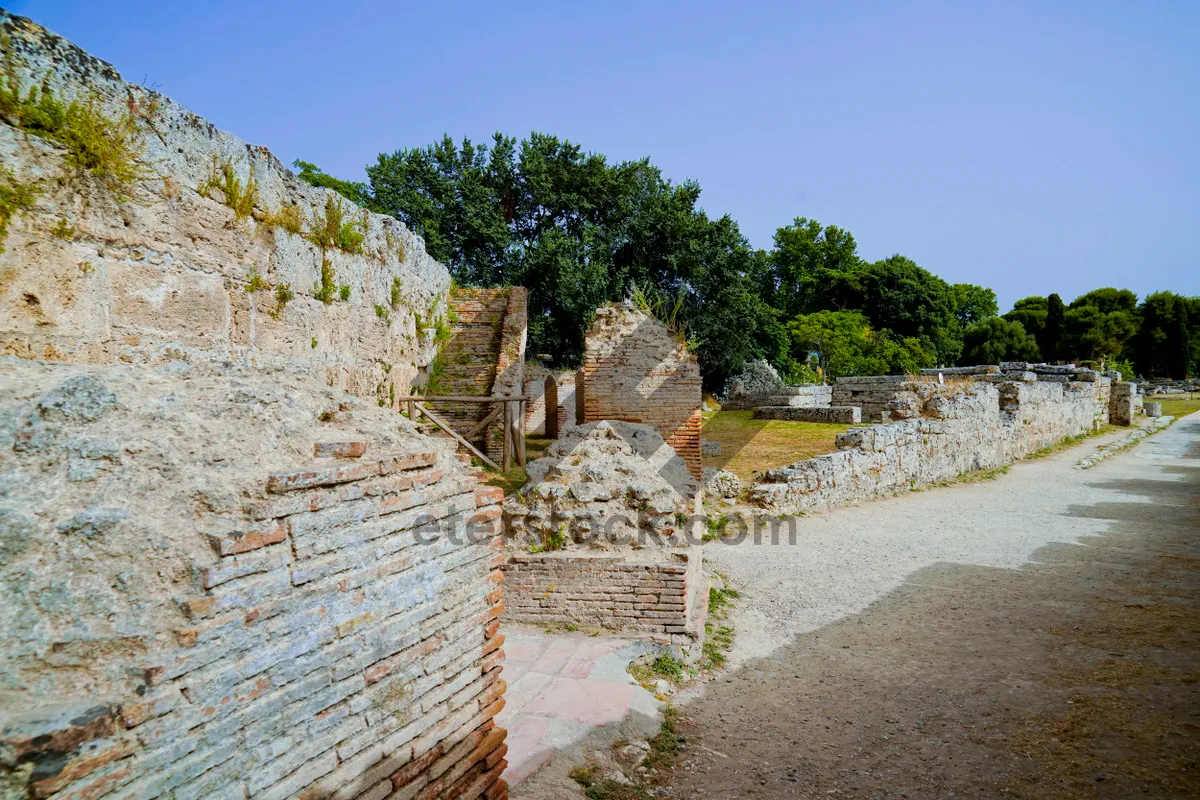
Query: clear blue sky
[{"x": 1027, "y": 146}]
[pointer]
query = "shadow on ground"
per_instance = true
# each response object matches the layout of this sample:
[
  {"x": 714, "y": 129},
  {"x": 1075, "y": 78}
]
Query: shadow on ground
[{"x": 1077, "y": 676}]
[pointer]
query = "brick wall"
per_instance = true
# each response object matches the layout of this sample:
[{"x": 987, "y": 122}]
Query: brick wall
[
  {"x": 325, "y": 630},
  {"x": 635, "y": 370},
  {"x": 609, "y": 592}
]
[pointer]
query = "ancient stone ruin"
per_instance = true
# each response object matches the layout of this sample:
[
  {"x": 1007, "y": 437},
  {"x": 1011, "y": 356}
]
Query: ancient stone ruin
[
  {"x": 942, "y": 425},
  {"x": 234, "y": 569},
  {"x": 603, "y": 535},
  {"x": 636, "y": 370}
]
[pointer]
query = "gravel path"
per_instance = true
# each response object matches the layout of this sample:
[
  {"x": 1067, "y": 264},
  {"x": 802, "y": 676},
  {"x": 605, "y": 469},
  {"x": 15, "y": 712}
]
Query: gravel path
[
  {"x": 1033, "y": 637},
  {"x": 846, "y": 559}
]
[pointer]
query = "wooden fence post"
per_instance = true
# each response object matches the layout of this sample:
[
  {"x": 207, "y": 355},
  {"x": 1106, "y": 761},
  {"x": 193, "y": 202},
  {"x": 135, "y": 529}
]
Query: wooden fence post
[{"x": 506, "y": 460}]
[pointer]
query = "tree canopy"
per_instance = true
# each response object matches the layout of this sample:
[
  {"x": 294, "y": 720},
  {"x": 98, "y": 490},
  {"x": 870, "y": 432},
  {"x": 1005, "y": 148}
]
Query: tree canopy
[{"x": 579, "y": 231}]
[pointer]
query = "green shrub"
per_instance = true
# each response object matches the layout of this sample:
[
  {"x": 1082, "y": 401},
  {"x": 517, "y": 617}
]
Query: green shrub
[
  {"x": 333, "y": 229},
  {"x": 223, "y": 178},
  {"x": 324, "y": 290},
  {"x": 283, "y": 296},
  {"x": 15, "y": 197},
  {"x": 382, "y": 312},
  {"x": 256, "y": 283},
  {"x": 344, "y": 292}
]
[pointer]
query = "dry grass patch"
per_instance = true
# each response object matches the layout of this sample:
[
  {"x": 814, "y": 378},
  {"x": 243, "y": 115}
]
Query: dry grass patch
[
  {"x": 749, "y": 445},
  {"x": 1178, "y": 405}
]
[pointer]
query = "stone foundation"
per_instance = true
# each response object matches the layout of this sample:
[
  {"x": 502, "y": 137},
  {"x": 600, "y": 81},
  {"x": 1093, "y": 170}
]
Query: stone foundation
[
  {"x": 850, "y": 414},
  {"x": 808, "y": 396}
]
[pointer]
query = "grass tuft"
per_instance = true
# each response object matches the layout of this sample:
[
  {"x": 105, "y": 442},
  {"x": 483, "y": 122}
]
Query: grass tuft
[{"x": 15, "y": 198}]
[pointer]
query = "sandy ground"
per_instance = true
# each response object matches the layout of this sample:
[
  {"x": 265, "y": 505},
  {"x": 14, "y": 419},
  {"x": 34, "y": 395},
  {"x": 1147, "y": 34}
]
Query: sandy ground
[{"x": 1034, "y": 636}]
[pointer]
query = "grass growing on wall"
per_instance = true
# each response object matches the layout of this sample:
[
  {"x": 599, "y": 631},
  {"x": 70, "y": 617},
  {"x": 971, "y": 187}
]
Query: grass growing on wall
[
  {"x": 108, "y": 147},
  {"x": 15, "y": 197}
]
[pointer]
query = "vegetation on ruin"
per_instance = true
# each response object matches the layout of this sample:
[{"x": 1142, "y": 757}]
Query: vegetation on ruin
[
  {"x": 333, "y": 228},
  {"x": 64, "y": 230},
  {"x": 751, "y": 445},
  {"x": 108, "y": 147},
  {"x": 233, "y": 192},
  {"x": 283, "y": 296},
  {"x": 718, "y": 637},
  {"x": 288, "y": 217},
  {"x": 15, "y": 197},
  {"x": 256, "y": 282}
]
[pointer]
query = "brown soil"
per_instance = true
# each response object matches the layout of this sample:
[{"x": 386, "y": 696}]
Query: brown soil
[{"x": 1075, "y": 677}]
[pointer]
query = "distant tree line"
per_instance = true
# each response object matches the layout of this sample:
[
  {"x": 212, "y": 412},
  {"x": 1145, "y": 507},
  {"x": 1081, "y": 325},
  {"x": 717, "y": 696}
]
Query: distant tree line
[{"x": 579, "y": 232}]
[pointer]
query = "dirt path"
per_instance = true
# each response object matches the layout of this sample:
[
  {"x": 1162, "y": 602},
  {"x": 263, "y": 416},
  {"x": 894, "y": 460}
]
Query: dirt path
[{"x": 960, "y": 672}]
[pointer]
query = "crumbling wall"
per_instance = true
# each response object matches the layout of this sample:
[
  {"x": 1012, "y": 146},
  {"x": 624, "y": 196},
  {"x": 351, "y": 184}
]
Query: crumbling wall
[
  {"x": 942, "y": 431},
  {"x": 635, "y": 370},
  {"x": 874, "y": 394},
  {"x": 226, "y": 582},
  {"x": 1044, "y": 414},
  {"x": 172, "y": 272}
]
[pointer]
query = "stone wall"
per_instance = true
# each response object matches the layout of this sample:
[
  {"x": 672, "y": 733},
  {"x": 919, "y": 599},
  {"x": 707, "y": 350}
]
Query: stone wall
[
  {"x": 635, "y": 370},
  {"x": 943, "y": 431},
  {"x": 843, "y": 414},
  {"x": 667, "y": 598},
  {"x": 226, "y": 582},
  {"x": 806, "y": 396},
  {"x": 166, "y": 273},
  {"x": 871, "y": 393}
]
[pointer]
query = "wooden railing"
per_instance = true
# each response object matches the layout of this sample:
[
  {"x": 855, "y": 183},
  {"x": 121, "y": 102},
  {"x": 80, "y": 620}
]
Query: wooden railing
[{"x": 512, "y": 409}]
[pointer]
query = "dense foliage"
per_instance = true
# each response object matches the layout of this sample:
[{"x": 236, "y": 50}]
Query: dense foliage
[{"x": 578, "y": 231}]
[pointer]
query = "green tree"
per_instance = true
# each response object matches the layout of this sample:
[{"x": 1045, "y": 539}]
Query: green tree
[
  {"x": 996, "y": 339},
  {"x": 351, "y": 190},
  {"x": 1099, "y": 323},
  {"x": 808, "y": 257},
  {"x": 973, "y": 303},
  {"x": 1162, "y": 347},
  {"x": 578, "y": 232},
  {"x": 1032, "y": 312},
  {"x": 899, "y": 296},
  {"x": 1052, "y": 333},
  {"x": 846, "y": 344}
]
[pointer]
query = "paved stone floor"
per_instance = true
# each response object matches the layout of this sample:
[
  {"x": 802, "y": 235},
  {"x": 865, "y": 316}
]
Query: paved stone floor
[{"x": 561, "y": 687}]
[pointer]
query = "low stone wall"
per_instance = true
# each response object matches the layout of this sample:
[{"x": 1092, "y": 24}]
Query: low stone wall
[
  {"x": 871, "y": 393},
  {"x": 850, "y": 414},
  {"x": 807, "y": 396},
  {"x": 666, "y": 599},
  {"x": 949, "y": 430}
]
